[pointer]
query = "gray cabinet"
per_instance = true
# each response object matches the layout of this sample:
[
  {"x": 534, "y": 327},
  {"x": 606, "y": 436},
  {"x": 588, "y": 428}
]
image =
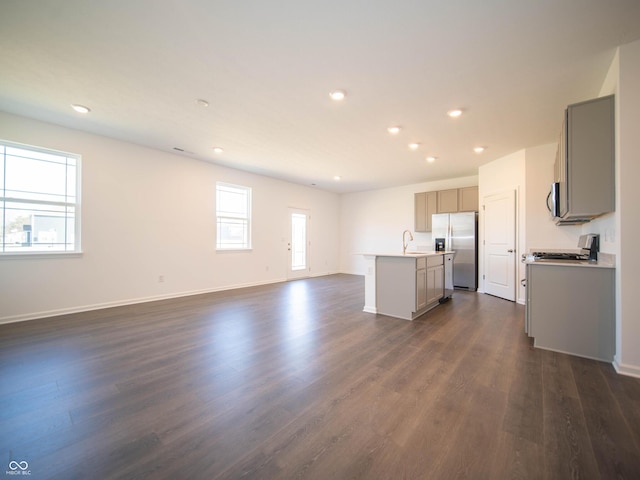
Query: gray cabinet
[
  {"x": 435, "y": 279},
  {"x": 585, "y": 162},
  {"x": 571, "y": 309},
  {"x": 424, "y": 208},
  {"x": 448, "y": 201},
  {"x": 421, "y": 284},
  {"x": 468, "y": 199},
  {"x": 443, "y": 201},
  {"x": 408, "y": 286}
]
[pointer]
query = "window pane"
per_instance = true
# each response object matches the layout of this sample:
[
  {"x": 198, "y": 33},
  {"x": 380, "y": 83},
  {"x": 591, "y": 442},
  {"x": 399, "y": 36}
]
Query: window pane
[
  {"x": 38, "y": 200},
  {"x": 298, "y": 241},
  {"x": 38, "y": 180},
  {"x": 232, "y": 233},
  {"x": 29, "y": 228},
  {"x": 53, "y": 157},
  {"x": 232, "y": 202},
  {"x": 233, "y": 210},
  {"x": 2, "y": 149}
]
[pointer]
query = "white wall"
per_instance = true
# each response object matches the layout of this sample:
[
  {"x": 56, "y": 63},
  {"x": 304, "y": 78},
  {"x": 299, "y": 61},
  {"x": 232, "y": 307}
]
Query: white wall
[
  {"x": 147, "y": 213},
  {"x": 506, "y": 173},
  {"x": 541, "y": 231},
  {"x": 606, "y": 225},
  {"x": 373, "y": 221},
  {"x": 628, "y": 210}
]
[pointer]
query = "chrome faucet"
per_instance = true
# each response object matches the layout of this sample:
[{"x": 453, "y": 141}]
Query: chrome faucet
[{"x": 405, "y": 243}]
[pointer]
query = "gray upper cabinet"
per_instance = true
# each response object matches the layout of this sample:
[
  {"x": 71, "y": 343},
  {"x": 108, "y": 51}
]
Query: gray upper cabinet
[
  {"x": 443, "y": 201},
  {"x": 468, "y": 199},
  {"x": 585, "y": 164},
  {"x": 448, "y": 201},
  {"x": 425, "y": 206}
]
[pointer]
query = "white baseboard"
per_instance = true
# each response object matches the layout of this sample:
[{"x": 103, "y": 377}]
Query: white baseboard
[
  {"x": 133, "y": 301},
  {"x": 130, "y": 301},
  {"x": 622, "y": 369}
]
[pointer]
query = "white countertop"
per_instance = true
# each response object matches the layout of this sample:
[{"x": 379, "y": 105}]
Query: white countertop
[{"x": 410, "y": 254}]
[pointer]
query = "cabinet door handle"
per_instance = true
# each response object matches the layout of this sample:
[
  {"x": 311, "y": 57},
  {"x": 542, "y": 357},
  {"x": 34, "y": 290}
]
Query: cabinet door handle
[{"x": 510, "y": 251}]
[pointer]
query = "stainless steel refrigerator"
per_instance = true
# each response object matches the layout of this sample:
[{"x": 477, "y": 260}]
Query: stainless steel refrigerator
[{"x": 460, "y": 233}]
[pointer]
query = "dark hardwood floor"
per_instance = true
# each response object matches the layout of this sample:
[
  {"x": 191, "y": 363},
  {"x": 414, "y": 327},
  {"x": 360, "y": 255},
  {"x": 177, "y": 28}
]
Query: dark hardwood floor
[{"x": 294, "y": 381}]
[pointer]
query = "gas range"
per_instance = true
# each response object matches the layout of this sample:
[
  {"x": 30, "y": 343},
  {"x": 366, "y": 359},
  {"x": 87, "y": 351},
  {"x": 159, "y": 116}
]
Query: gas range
[
  {"x": 589, "y": 245},
  {"x": 559, "y": 256}
]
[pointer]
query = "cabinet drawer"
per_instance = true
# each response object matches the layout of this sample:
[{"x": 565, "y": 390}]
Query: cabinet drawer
[
  {"x": 435, "y": 260},
  {"x": 421, "y": 262}
]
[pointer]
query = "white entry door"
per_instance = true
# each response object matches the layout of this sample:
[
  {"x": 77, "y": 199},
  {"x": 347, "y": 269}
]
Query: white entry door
[
  {"x": 500, "y": 245},
  {"x": 298, "y": 244}
]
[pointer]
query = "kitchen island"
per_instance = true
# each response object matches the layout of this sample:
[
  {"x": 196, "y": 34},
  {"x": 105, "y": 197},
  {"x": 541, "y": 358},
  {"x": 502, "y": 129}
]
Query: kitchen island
[{"x": 405, "y": 285}]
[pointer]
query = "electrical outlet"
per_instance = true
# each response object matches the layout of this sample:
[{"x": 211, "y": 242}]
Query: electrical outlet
[
  {"x": 610, "y": 235},
  {"x": 160, "y": 278}
]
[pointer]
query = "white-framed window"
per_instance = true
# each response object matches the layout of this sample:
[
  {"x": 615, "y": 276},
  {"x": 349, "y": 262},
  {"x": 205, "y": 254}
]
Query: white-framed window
[
  {"x": 39, "y": 200},
  {"x": 233, "y": 217}
]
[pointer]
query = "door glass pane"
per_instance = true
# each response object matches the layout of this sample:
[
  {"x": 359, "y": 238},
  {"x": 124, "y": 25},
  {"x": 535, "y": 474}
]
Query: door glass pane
[{"x": 298, "y": 241}]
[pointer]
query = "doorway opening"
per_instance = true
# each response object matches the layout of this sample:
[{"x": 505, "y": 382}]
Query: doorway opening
[{"x": 298, "y": 245}]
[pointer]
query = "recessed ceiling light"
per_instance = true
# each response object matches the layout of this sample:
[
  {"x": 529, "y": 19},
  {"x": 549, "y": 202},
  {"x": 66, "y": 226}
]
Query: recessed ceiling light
[
  {"x": 394, "y": 130},
  {"x": 431, "y": 159},
  {"x": 414, "y": 146},
  {"x": 80, "y": 108},
  {"x": 337, "y": 178},
  {"x": 456, "y": 112},
  {"x": 202, "y": 103},
  {"x": 337, "y": 95},
  {"x": 479, "y": 149},
  {"x": 217, "y": 150}
]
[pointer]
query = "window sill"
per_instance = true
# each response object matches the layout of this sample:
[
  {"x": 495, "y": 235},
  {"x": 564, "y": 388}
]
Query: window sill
[
  {"x": 233, "y": 250},
  {"x": 39, "y": 255}
]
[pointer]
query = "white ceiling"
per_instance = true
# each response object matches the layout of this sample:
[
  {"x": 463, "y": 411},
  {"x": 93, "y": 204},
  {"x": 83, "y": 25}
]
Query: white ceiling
[{"x": 267, "y": 67}]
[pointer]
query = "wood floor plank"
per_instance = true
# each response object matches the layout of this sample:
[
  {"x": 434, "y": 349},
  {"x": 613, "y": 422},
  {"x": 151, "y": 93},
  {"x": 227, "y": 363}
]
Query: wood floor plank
[
  {"x": 610, "y": 433},
  {"x": 294, "y": 380},
  {"x": 517, "y": 458},
  {"x": 626, "y": 392}
]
